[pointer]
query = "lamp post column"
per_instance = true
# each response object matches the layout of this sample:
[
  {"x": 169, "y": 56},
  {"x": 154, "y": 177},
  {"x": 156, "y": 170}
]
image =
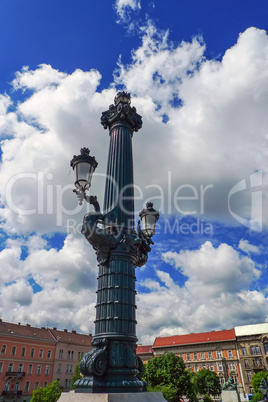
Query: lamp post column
[{"x": 113, "y": 366}]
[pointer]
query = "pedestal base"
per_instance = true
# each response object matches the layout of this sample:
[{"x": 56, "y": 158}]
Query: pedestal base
[
  {"x": 127, "y": 397},
  {"x": 230, "y": 396}
]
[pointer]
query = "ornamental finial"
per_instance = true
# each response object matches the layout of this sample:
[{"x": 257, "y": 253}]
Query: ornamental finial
[{"x": 122, "y": 97}]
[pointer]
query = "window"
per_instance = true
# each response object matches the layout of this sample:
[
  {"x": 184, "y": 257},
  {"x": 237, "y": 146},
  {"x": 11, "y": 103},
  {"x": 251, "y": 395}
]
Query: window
[
  {"x": 32, "y": 352},
  {"x": 17, "y": 386},
  {"x": 23, "y": 350},
  {"x": 41, "y": 353},
  {"x": 3, "y": 349},
  {"x": 7, "y": 385},
  {"x": 211, "y": 367},
  {"x": 13, "y": 351},
  {"x": 210, "y": 355},
  {"x": 257, "y": 348},
  {"x": 67, "y": 383},
  {"x": 10, "y": 367},
  {"x": 47, "y": 370},
  {"x": 234, "y": 377},
  {"x": 27, "y": 386},
  {"x": 188, "y": 356},
  {"x": 249, "y": 376},
  {"x": 220, "y": 367},
  {"x": 230, "y": 353},
  {"x": 219, "y": 353},
  {"x": 246, "y": 364},
  {"x": 203, "y": 356},
  {"x": 38, "y": 370},
  {"x": 20, "y": 368},
  {"x": 232, "y": 367},
  {"x": 244, "y": 350},
  {"x": 265, "y": 348},
  {"x": 204, "y": 367},
  {"x": 36, "y": 385},
  {"x": 49, "y": 354},
  {"x": 257, "y": 362},
  {"x": 195, "y": 356},
  {"x": 69, "y": 368},
  {"x": 70, "y": 354},
  {"x": 59, "y": 368},
  {"x": 61, "y": 353},
  {"x": 222, "y": 380},
  {"x": 45, "y": 384},
  {"x": 1, "y": 367},
  {"x": 30, "y": 369}
]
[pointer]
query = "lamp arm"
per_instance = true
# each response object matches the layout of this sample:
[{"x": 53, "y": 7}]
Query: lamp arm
[{"x": 92, "y": 199}]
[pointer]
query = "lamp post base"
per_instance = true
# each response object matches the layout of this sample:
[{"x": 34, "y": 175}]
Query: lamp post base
[{"x": 123, "y": 397}]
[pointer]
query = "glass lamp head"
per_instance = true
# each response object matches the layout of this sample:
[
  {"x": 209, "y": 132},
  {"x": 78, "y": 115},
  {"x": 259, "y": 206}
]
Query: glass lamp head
[
  {"x": 84, "y": 166},
  {"x": 149, "y": 217}
]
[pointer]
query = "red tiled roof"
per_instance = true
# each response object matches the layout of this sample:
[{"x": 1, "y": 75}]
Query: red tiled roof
[
  {"x": 144, "y": 349},
  {"x": 71, "y": 337},
  {"x": 202, "y": 337},
  {"x": 8, "y": 328}
]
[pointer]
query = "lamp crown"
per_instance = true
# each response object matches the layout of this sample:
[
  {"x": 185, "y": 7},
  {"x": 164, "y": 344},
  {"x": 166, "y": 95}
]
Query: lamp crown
[
  {"x": 122, "y": 97},
  {"x": 85, "y": 151}
]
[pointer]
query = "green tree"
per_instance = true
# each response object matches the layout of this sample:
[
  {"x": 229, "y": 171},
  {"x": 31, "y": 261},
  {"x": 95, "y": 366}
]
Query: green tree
[
  {"x": 76, "y": 374},
  {"x": 207, "y": 382},
  {"x": 256, "y": 380},
  {"x": 167, "y": 373},
  {"x": 51, "y": 393}
]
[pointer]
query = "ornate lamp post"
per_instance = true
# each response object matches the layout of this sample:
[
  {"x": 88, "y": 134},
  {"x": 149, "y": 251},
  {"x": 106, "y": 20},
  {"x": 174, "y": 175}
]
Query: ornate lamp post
[{"x": 112, "y": 366}]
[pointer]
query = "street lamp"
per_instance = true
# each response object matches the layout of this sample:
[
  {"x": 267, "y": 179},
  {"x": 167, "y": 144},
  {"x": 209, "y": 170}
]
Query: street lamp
[{"x": 112, "y": 366}]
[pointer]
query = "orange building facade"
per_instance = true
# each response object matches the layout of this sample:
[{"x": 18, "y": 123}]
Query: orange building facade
[
  {"x": 216, "y": 351},
  {"x": 26, "y": 360},
  {"x": 33, "y": 357}
]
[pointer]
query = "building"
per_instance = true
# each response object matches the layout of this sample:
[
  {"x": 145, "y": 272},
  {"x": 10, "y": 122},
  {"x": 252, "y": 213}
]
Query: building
[
  {"x": 70, "y": 346},
  {"x": 214, "y": 350},
  {"x": 252, "y": 345},
  {"x": 33, "y": 357},
  {"x": 26, "y": 360},
  {"x": 145, "y": 352}
]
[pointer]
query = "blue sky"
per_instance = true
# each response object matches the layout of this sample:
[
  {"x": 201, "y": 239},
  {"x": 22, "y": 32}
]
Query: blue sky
[{"x": 197, "y": 73}]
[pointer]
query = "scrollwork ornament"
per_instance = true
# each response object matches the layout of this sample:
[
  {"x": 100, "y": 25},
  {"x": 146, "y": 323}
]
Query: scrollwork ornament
[{"x": 94, "y": 362}]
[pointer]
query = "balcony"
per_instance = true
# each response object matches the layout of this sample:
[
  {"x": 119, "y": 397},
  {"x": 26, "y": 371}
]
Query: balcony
[
  {"x": 257, "y": 365},
  {"x": 12, "y": 393},
  {"x": 15, "y": 374}
]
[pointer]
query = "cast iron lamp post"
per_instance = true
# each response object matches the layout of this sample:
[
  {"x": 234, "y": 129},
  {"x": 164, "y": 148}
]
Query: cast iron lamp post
[{"x": 112, "y": 366}]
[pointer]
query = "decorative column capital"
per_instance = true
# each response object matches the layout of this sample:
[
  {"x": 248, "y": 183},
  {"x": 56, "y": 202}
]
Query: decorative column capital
[{"x": 122, "y": 112}]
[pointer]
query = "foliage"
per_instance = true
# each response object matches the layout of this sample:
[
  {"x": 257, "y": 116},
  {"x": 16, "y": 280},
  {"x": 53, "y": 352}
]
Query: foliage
[
  {"x": 206, "y": 382},
  {"x": 256, "y": 380},
  {"x": 207, "y": 398},
  {"x": 167, "y": 373},
  {"x": 257, "y": 397},
  {"x": 169, "y": 393},
  {"x": 76, "y": 374},
  {"x": 51, "y": 393}
]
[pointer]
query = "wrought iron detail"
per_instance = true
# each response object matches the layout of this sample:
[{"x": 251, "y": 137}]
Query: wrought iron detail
[
  {"x": 121, "y": 112},
  {"x": 95, "y": 362}
]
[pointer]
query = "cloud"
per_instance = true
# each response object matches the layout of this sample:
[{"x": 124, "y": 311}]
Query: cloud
[
  {"x": 215, "y": 295},
  {"x": 66, "y": 279},
  {"x": 125, "y": 7},
  {"x": 244, "y": 245},
  {"x": 204, "y": 124}
]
